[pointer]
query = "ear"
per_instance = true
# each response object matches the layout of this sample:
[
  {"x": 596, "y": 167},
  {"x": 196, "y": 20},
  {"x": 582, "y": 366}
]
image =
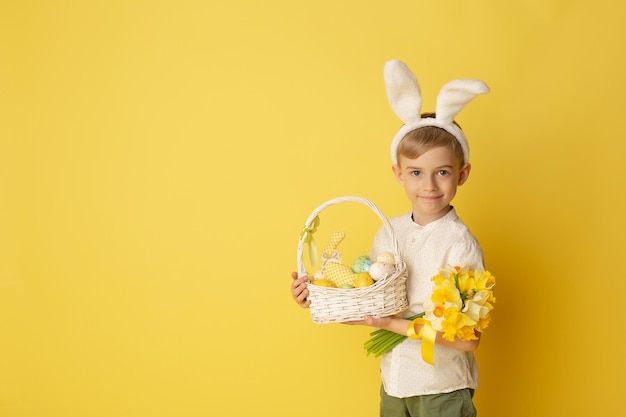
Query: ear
[
  {"x": 397, "y": 173},
  {"x": 464, "y": 173}
]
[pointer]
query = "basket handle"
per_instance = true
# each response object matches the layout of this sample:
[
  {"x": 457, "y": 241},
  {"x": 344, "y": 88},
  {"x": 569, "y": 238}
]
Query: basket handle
[{"x": 309, "y": 225}]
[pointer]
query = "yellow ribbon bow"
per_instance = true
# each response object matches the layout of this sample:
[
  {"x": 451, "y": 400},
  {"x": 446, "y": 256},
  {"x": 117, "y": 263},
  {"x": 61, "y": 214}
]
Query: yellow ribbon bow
[
  {"x": 307, "y": 237},
  {"x": 427, "y": 334}
]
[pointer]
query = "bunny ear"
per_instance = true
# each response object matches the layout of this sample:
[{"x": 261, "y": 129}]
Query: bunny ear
[
  {"x": 405, "y": 97},
  {"x": 403, "y": 91},
  {"x": 455, "y": 95}
]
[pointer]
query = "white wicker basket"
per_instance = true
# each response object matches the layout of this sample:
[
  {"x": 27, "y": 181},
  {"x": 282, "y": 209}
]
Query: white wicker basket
[{"x": 385, "y": 297}]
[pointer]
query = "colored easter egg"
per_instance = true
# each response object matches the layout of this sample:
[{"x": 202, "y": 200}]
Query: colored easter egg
[
  {"x": 357, "y": 265},
  {"x": 386, "y": 257}
]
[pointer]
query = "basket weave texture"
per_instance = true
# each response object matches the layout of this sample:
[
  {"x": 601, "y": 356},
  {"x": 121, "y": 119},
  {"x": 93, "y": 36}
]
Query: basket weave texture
[{"x": 385, "y": 297}]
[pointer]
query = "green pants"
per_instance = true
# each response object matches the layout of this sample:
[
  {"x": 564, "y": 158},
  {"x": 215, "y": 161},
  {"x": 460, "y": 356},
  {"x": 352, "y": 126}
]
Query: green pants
[{"x": 452, "y": 404}]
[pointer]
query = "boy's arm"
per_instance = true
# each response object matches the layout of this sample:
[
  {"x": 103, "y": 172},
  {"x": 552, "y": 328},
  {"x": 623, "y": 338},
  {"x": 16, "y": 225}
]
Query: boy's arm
[{"x": 399, "y": 325}]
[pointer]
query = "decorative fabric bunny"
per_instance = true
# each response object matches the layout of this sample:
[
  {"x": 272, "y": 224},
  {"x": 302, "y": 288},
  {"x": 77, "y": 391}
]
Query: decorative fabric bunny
[{"x": 332, "y": 266}]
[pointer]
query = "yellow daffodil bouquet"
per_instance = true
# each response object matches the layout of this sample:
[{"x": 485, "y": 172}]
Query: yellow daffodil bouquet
[{"x": 460, "y": 306}]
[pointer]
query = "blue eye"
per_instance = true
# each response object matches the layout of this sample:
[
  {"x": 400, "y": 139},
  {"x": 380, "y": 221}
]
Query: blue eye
[
  {"x": 443, "y": 172},
  {"x": 415, "y": 173}
]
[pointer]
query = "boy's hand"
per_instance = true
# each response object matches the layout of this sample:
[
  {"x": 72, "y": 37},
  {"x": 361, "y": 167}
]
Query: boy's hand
[
  {"x": 391, "y": 323},
  {"x": 299, "y": 292},
  {"x": 380, "y": 322}
]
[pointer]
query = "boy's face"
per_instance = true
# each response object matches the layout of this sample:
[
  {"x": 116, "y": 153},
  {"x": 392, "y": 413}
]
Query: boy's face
[{"x": 430, "y": 182}]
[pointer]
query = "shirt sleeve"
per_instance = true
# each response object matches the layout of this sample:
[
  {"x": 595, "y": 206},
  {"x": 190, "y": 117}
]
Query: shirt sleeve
[
  {"x": 467, "y": 253},
  {"x": 382, "y": 243}
]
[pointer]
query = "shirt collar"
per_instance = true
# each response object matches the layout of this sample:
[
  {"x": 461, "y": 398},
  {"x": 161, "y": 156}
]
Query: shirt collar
[{"x": 449, "y": 216}]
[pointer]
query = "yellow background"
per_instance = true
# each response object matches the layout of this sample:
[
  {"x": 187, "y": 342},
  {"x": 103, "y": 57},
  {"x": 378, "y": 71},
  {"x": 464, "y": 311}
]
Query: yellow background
[{"x": 159, "y": 158}]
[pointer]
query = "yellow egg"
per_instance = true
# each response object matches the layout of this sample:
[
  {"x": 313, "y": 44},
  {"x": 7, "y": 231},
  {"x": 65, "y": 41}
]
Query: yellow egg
[
  {"x": 386, "y": 257},
  {"x": 324, "y": 283},
  {"x": 363, "y": 279}
]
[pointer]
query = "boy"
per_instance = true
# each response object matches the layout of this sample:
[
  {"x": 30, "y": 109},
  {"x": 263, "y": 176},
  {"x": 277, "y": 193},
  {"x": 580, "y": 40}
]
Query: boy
[{"x": 430, "y": 159}]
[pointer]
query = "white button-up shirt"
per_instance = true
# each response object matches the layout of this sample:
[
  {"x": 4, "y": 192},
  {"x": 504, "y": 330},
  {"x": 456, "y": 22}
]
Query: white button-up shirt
[{"x": 426, "y": 250}]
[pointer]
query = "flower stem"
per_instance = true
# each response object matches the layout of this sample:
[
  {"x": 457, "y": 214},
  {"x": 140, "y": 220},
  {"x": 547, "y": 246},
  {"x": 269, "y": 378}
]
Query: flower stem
[{"x": 382, "y": 341}]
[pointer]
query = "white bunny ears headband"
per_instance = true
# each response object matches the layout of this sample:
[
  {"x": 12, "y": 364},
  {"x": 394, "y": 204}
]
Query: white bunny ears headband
[{"x": 405, "y": 97}]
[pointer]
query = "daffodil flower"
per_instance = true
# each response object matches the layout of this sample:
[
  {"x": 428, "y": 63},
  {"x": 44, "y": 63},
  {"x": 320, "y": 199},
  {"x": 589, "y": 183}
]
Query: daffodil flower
[
  {"x": 461, "y": 302},
  {"x": 460, "y": 306}
]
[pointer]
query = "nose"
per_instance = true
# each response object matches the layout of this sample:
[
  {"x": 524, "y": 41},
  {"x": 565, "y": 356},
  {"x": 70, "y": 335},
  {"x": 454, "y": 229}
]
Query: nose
[{"x": 430, "y": 183}]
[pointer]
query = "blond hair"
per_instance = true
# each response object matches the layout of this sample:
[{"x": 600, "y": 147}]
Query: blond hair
[{"x": 421, "y": 140}]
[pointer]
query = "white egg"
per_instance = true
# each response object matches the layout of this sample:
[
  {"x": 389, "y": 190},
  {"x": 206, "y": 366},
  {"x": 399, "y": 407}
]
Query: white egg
[
  {"x": 386, "y": 257},
  {"x": 380, "y": 270}
]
